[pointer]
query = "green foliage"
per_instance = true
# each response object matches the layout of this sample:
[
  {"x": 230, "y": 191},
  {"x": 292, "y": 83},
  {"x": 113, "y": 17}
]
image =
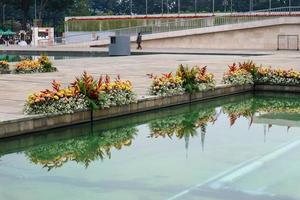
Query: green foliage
[
  {"x": 184, "y": 125},
  {"x": 261, "y": 104},
  {"x": 83, "y": 150},
  {"x": 189, "y": 78},
  {"x": 196, "y": 79},
  {"x": 88, "y": 87}
]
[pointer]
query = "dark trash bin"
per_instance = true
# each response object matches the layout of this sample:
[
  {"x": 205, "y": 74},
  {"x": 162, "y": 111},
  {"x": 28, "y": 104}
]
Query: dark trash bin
[{"x": 119, "y": 46}]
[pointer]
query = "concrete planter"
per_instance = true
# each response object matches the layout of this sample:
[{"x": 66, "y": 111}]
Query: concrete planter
[
  {"x": 39, "y": 123},
  {"x": 150, "y": 103},
  {"x": 222, "y": 90}
]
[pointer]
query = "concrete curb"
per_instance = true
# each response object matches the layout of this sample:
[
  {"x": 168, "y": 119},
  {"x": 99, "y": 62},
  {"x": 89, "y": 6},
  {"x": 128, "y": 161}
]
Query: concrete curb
[
  {"x": 32, "y": 124},
  {"x": 277, "y": 88}
]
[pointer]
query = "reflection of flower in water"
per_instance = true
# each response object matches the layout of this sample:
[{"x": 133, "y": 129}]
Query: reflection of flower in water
[
  {"x": 184, "y": 125},
  {"x": 240, "y": 109},
  {"x": 261, "y": 105},
  {"x": 81, "y": 150}
]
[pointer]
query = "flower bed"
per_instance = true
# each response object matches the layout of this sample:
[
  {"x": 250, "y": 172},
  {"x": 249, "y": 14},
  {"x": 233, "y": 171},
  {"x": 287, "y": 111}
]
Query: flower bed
[
  {"x": 84, "y": 93},
  {"x": 57, "y": 100},
  {"x": 196, "y": 79},
  {"x": 4, "y": 67},
  {"x": 43, "y": 64},
  {"x": 277, "y": 76},
  {"x": 250, "y": 73},
  {"x": 103, "y": 92},
  {"x": 166, "y": 85},
  {"x": 237, "y": 75},
  {"x": 186, "y": 80}
]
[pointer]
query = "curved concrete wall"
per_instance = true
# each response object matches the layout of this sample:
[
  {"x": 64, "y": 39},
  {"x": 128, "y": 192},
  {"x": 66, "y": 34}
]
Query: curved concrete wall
[{"x": 250, "y": 35}]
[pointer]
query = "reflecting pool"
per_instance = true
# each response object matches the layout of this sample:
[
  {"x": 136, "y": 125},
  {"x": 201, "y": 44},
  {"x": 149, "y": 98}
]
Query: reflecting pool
[
  {"x": 18, "y": 56},
  {"x": 237, "y": 147}
]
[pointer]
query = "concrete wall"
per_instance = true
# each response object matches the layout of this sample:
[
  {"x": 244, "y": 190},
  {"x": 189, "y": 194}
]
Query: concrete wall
[
  {"x": 249, "y": 35},
  {"x": 260, "y": 34},
  {"x": 80, "y": 37}
]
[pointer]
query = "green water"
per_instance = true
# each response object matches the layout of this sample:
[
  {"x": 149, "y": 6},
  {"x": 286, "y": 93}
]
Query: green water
[
  {"x": 238, "y": 147},
  {"x": 16, "y": 57}
]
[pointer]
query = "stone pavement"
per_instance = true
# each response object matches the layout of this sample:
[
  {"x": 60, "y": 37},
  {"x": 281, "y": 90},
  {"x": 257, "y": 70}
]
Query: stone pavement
[{"x": 15, "y": 88}]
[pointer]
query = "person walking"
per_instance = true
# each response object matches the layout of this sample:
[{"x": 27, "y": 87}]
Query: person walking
[{"x": 139, "y": 41}]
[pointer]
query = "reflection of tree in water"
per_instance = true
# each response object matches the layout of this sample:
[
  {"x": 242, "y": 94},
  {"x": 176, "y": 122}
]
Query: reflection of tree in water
[
  {"x": 183, "y": 125},
  {"x": 82, "y": 150}
]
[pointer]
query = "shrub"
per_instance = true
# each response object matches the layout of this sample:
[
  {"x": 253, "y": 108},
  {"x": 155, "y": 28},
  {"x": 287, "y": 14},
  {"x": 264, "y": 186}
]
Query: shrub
[
  {"x": 166, "y": 85},
  {"x": 55, "y": 101},
  {"x": 4, "y": 67},
  {"x": 104, "y": 92},
  {"x": 85, "y": 92},
  {"x": 249, "y": 73},
  {"x": 186, "y": 80},
  {"x": 118, "y": 92},
  {"x": 43, "y": 64},
  {"x": 277, "y": 76},
  {"x": 196, "y": 79},
  {"x": 237, "y": 75},
  {"x": 46, "y": 64}
]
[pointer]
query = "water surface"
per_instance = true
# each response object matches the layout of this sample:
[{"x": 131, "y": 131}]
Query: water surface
[
  {"x": 238, "y": 147},
  {"x": 18, "y": 56}
]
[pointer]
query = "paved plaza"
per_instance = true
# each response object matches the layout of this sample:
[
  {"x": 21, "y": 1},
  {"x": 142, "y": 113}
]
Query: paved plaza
[{"x": 15, "y": 88}]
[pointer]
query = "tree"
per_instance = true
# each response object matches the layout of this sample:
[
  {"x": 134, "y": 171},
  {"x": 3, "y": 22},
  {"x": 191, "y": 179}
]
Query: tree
[{"x": 43, "y": 4}]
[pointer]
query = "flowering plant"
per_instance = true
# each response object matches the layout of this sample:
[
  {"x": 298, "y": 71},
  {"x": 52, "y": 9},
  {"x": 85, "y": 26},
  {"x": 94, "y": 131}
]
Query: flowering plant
[
  {"x": 196, "y": 79},
  {"x": 104, "y": 92},
  {"x": 267, "y": 75},
  {"x": 4, "y": 66},
  {"x": 186, "y": 80},
  {"x": 55, "y": 101},
  {"x": 83, "y": 93},
  {"x": 237, "y": 75},
  {"x": 43, "y": 64},
  {"x": 249, "y": 73},
  {"x": 118, "y": 92},
  {"x": 166, "y": 85}
]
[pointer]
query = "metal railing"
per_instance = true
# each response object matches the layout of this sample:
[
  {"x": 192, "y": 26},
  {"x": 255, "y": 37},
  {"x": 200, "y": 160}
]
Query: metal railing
[
  {"x": 185, "y": 24},
  {"x": 281, "y": 9},
  {"x": 188, "y": 24}
]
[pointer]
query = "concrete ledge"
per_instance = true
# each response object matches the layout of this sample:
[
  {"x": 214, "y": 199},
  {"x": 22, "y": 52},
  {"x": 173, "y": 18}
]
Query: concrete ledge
[
  {"x": 222, "y": 90},
  {"x": 40, "y": 123},
  {"x": 32, "y": 124},
  {"x": 277, "y": 88}
]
